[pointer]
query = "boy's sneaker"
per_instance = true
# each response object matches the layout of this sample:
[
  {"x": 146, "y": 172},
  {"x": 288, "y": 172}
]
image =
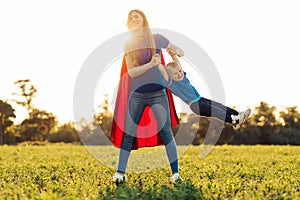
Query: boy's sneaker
[
  {"x": 235, "y": 119},
  {"x": 176, "y": 178},
  {"x": 247, "y": 114},
  {"x": 119, "y": 178},
  {"x": 238, "y": 120}
]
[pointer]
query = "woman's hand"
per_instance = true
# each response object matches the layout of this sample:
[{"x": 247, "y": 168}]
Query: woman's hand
[
  {"x": 137, "y": 71},
  {"x": 155, "y": 60}
]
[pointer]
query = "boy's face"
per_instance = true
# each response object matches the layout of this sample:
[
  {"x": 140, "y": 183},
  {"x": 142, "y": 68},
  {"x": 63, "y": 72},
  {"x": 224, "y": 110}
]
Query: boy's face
[{"x": 175, "y": 73}]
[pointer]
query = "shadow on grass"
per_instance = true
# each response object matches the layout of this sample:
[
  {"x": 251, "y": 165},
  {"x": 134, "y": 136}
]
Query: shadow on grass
[{"x": 185, "y": 190}]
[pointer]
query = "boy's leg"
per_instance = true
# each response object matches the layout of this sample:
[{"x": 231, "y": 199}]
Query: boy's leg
[
  {"x": 229, "y": 110},
  {"x": 208, "y": 108}
]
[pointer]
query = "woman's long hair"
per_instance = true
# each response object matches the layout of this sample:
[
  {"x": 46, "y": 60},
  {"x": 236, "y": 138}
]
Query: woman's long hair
[{"x": 149, "y": 39}]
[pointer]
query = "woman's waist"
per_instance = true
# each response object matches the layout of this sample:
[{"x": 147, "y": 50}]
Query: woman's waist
[
  {"x": 147, "y": 88},
  {"x": 150, "y": 81},
  {"x": 149, "y": 94}
]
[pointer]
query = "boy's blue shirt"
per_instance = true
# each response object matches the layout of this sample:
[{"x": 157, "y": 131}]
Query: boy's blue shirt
[{"x": 184, "y": 89}]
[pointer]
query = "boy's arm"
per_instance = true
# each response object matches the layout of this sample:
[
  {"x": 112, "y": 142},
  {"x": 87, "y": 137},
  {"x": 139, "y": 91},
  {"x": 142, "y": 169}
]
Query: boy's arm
[
  {"x": 175, "y": 59},
  {"x": 171, "y": 48},
  {"x": 163, "y": 72}
]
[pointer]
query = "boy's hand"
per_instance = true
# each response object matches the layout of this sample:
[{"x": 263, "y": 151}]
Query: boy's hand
[
  {"x": 175, "y": 52},
  {"x": 171, "y": 51}
]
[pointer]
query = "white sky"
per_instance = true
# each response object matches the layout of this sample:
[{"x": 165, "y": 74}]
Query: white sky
[{"x": 254, "y": 45}]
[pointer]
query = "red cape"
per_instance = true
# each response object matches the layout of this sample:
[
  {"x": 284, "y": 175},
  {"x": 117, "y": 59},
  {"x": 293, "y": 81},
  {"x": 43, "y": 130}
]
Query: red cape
[{"x": 147, "y": 132}]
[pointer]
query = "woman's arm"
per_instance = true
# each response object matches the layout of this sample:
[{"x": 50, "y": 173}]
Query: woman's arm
[
  {"x": 132, "y": 66},
  {"x": 135, "y": 71}
]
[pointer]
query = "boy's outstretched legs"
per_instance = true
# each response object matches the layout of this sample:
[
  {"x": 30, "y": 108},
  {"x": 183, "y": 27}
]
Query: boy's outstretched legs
[{"x": 204, "y": 107}]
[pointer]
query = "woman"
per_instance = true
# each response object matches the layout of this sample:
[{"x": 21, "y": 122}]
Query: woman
[{"x": 147, "y": 89}]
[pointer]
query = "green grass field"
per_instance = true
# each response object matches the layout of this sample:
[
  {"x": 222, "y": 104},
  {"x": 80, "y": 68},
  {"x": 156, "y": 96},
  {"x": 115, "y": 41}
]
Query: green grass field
[{"x": 72, "y": 172}]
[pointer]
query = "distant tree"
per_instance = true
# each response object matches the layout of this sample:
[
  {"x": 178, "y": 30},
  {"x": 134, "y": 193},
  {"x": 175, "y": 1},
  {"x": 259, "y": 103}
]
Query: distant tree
[
  {"x": 38, "y": 126},
  {"x": 97, "y": 132},
  {"x": 290, "y": 136},
  {"x": 6, "y": 117},
  {"x": 291, "y": 117},
  {"x": 65, "y": 133},
  {"x": 104, "y": 118},
  {"x": 84, "y": 129},
  {"x": 26, "y": 94},
  {"x": 186, "y": 131},
  {"x": 96, "y": 135},
  {"x": 248, "y": 134},
  {"x": 264, "y": 115},
  {"x": 227, "y": 135},
  {"x": 12, "y": 134},
  {"x": 195, "y": 129},
  {"x": 201, "y": 131}
]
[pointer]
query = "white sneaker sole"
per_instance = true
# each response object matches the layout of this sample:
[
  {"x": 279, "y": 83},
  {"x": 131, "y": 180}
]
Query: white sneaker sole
[
  {"x": 118, "y": 179},
  {"x": 245, "y": 116}
]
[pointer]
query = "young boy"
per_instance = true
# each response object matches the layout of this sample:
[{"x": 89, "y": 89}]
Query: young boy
[{"x": 179, "y": 85}]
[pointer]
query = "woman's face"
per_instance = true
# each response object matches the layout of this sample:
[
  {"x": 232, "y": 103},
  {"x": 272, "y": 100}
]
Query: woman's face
[{"x": 136, "y": 21}]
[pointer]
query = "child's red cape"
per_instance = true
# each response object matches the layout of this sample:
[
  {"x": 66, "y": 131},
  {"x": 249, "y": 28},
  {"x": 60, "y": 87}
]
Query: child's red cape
[{"x": 147, "y": 133}]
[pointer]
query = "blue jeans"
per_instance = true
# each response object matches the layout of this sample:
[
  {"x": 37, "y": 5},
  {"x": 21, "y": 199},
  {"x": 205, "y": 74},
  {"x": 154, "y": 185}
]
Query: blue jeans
[{"x": 158, "y": 101}]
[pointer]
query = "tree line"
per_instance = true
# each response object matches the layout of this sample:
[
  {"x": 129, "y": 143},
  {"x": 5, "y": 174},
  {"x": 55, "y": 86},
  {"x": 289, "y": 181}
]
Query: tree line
[{"x": 266, "y": 125}]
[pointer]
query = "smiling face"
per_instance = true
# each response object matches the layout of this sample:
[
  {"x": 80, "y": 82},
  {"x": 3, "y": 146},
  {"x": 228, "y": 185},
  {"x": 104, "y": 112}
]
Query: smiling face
[
  {"x": 138, "y": 26},
  {"x": 175, "y": 72},
  {"x": 135, "y": 21}
]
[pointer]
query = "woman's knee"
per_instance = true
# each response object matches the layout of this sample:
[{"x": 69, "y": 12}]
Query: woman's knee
[{"x": 166, "y": 134}]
